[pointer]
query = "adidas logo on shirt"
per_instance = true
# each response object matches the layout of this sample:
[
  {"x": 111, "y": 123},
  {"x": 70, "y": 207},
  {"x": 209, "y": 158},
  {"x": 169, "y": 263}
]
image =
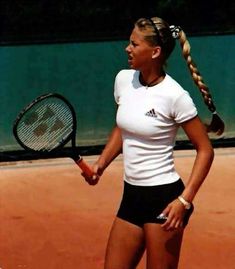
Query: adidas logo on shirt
[{"x": 151, "y": 113}]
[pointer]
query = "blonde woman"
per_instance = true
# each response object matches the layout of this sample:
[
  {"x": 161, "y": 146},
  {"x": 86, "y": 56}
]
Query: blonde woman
[{"x": 156, "y": 204}]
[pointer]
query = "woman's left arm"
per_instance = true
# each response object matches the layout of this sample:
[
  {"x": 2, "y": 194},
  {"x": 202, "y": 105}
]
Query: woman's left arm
[{"x": 197, "y": 134}]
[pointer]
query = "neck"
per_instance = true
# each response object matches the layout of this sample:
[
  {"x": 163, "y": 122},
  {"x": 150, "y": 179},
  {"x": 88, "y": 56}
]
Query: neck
[{"x": 152, "y": 80}]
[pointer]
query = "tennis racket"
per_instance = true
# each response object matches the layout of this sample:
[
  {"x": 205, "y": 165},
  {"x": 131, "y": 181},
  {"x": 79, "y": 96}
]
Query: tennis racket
[{"x": 47, "y": 124}]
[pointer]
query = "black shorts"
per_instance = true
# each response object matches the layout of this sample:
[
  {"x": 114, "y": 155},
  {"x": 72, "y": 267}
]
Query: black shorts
[{"x": 142, "y": 204}]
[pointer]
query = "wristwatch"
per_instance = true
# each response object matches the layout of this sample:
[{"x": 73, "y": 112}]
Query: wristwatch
[{"x": 186, "y": 204}]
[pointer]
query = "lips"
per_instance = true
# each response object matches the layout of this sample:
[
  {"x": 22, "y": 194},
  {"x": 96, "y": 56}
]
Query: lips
[{"x": 130, "y": 59}]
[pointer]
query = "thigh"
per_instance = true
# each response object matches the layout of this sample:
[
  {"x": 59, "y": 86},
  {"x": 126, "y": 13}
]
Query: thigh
[
  {"x": 125, "y": 245},
  {"x": 163, "y": 247}
]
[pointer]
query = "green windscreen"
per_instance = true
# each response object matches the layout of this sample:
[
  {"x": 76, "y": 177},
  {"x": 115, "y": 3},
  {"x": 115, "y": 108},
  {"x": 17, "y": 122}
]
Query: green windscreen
[{"x": 84, "y": 73}]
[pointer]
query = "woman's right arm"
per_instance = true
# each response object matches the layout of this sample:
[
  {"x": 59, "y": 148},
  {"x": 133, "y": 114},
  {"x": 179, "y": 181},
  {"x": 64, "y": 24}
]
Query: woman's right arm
[{"x": 112, "y": 149}]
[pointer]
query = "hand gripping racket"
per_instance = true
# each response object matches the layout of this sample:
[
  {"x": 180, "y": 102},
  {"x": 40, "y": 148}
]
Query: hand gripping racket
[{"x": 47, "y": 124}]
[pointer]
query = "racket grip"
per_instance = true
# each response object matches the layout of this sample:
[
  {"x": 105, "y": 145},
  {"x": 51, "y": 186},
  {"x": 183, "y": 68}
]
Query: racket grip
[{"x": 84, "y": 167}]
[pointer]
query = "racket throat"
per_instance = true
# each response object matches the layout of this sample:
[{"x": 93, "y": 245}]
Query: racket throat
[{"x": 77, "y": 159}]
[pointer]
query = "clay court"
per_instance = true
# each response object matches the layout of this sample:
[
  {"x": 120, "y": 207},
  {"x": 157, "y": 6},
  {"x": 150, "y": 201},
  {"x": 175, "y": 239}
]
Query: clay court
[{"x": 51, "y": 218}]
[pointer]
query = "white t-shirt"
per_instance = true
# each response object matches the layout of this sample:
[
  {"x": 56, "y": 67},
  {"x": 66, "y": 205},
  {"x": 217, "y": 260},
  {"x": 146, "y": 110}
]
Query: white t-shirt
[{"x": 149, "y": 119}]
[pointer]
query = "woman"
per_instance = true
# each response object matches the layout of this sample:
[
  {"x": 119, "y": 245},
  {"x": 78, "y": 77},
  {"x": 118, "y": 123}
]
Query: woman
[{"x": 156, "y": 205}]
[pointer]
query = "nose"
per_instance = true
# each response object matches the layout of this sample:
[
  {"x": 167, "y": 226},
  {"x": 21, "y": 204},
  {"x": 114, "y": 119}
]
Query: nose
[{"x": 127, "y": 49}]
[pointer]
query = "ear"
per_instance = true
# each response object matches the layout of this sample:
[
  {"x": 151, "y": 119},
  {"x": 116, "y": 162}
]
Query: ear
[{"x": 156, "y": 52}]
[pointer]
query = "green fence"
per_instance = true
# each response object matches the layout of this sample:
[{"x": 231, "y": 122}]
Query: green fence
[{"x": 84, "y": 73}]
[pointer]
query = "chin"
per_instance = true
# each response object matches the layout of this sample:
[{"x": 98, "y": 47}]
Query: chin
[{"x": 132, "y": 66}]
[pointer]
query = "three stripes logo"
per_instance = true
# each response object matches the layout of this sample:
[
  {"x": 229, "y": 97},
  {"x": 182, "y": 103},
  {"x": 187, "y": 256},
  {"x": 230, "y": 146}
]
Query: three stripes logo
[{"x": 151, "y": 113}]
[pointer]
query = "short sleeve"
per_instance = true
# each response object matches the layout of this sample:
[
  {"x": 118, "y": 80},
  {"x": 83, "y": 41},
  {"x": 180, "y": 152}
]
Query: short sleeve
[
  {"x": 117, "y": 86},
  {"x": 184, "y": 108},
  {"x": 116, "y": 93}
]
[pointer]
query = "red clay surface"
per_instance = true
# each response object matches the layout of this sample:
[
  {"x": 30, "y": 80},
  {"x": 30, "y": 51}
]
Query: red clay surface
[{"x": 51, "y": 219}]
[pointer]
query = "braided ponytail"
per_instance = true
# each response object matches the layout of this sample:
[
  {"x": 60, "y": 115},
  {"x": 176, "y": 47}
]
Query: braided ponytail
[{"x": 216, "y": 125}]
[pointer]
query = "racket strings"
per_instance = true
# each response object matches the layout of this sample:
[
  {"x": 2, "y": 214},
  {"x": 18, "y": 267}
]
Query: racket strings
[
  {"x": 41, "y": 137},
  {"x": 46, "y": 125}
]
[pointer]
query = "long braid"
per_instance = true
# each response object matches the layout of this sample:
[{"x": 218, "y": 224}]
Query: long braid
[{"x": 216, "y": 125}]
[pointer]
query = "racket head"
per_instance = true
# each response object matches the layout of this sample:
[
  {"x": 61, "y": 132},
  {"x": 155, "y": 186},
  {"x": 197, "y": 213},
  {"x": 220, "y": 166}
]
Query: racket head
[{"x": 46, "y": 124}]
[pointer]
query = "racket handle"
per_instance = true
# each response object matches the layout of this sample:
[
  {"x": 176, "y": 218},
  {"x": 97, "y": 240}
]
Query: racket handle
[{"x": 84, "y": 167}]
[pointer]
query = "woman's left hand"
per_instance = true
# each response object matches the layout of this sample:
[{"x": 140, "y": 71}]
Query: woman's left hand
[{"x": 175, "y": 212}]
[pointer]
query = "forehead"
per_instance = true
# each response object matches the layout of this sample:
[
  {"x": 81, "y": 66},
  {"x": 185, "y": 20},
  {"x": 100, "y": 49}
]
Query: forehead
[{"x": 137, "y": 35}]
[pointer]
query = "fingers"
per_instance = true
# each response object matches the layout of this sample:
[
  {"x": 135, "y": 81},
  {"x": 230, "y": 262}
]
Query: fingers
[
  {"x": 172, "y": 224},
  {"x": 91, "y": 180},
  {"x": 174, "y": 215},
  {"x": 94, "y": 178}
]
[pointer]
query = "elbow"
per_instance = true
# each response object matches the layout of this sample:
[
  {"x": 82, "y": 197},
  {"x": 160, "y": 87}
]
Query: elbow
[{"x": 209, "y": 154}]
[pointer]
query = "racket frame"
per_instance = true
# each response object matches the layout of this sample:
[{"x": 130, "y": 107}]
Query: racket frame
[
  {"x": 87, "y": 171},
  {"x": 71, "y": 136}
]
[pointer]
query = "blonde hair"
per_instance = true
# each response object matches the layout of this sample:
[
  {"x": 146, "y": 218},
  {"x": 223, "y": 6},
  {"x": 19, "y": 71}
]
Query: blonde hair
[
  {"x": 158, "y": 32},
  {"x": 216, "y": 125}
]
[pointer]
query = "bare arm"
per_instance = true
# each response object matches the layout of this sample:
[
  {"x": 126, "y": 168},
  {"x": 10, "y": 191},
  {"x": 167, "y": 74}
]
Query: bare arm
[
  {"x": 197, "y": 134},
  {"x": 112, "y": 149}
]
